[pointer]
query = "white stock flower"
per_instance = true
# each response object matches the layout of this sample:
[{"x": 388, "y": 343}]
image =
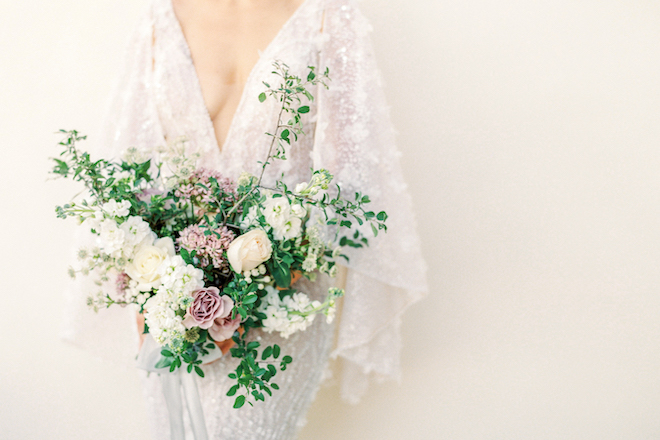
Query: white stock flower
[
  {"x": 284, "y": 218},
  {"x": 302, "y": 186},
  {"x": 298, "y": 210},
  {"x": 137, "y": 232},
  {"x": 164, "y": 324},
  {"x": 277, "y": 211},
  {"x": 290, "y": 229},
  {"x": 278, "y": 316},
  {"x": 250, "y": 218},
  {"x": 111, "y": 237},
  {"x": 114, "y": 209},
  {"x": 93, "y": 219},
  {"x": 178, "y": 277}
]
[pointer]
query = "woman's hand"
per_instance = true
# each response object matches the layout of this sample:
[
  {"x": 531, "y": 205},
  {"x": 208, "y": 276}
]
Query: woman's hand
[
  {"x": 295, "y": 276},
  {"x": 139, "y": 317}
]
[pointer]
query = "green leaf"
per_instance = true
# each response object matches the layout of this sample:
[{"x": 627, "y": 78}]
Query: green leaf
[
  {"x": 281, "y": 274},
  {"x": 185, "y": 255},
  {"x": 274, "y": 386},
  {"x": 276, "y": 351},
  {"x": 382, "y": 216},
  {"x": 165, "y": 352},
  {"x": 239, "y": 402},
  {"x": 199, "y": 371},
  {"x": 250, "y": 299},
  {"x": 266, "y": 353},
  {"x": 163, "y": 363},
  {"x": 287, "y": 359},
  {"x": 374, "y": 230},
  {"x": 252, "y": 345},
  {"x": 232, "y": 391},
  {"x": 262, "y": 97},
  {"x": 303, "y": 109},
  {"x": 285, "y": 134},
  {"x": 242, "y": 312}
]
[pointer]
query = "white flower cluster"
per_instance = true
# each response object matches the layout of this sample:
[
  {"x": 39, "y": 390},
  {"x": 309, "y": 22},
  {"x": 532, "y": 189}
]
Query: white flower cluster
[
  {"x": 257, "y": 275},
  {"x": 284, "y": 217},
  {"x": 250, "y": 218},
  {"x": 246, "y": 179},
  {"x": 316, "y": 252},
  {"x": 164, "y": 311},
  {"x": 295, "y": 313},
  {"x": 122, "y": 239},
  {"x": 110, "y": 210},
  {"x": 133, "y": 155},
  {"x": 320, "y": 181},
  {"x": 180, "y": 161}
]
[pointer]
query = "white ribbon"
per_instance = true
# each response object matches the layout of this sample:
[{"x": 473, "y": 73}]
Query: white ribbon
[{"x": 178, "y": 386}]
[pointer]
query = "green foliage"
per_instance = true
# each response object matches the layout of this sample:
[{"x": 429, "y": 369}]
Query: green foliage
[{"x": 255, "y": 372}]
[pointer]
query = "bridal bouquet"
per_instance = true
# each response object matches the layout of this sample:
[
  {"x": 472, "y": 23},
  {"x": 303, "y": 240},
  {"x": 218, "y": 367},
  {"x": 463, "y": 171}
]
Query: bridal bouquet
[{"x": 206, "y": 259}]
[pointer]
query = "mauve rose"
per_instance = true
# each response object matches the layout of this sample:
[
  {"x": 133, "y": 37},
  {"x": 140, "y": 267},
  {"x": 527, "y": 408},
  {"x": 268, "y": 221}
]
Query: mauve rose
[
  {"x": 207, "y": 306},
  {"x": 224, "y": 328}
]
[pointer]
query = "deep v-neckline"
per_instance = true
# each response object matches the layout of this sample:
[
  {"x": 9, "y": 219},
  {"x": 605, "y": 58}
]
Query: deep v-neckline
[{"x": 220, "y": 151}]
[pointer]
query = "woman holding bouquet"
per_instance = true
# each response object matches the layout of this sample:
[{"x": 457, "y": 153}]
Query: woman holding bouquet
[{"x": 195, "y": 68}]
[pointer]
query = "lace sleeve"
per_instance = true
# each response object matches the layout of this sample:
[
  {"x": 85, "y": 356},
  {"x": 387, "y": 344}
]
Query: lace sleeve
[
  {"x": 130, "y": 121},
  {"x": 355, "y": 141}
]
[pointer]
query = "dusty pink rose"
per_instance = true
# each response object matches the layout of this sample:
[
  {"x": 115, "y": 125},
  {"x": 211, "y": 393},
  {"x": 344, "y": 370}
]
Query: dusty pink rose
[
  {"x": 207, "y": 306},
  {"x": 224, "y": 328}
]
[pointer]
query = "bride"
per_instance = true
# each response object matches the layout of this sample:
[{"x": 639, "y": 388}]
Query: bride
[{"x": 195, "y": 68}]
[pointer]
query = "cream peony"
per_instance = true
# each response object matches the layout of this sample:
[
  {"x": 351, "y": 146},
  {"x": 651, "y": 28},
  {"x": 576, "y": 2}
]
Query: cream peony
[
  {"x": 146, "y": 262},
  {"x": 249, "y": 250}
]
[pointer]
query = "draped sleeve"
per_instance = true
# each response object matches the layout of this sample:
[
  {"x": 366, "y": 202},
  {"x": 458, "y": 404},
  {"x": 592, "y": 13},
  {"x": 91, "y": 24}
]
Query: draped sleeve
[
  {"x": 355, "y": 141},
  {"x": 130, "y": 120}
]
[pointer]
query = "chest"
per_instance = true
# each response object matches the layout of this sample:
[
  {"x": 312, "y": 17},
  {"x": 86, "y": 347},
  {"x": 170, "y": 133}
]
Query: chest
[{"x": 225, "y": 40}]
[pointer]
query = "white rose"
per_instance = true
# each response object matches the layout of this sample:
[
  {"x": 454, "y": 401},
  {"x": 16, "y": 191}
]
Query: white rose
[
  {"x": 146, "y": 262},
  {"x": 249, "y": 250}
]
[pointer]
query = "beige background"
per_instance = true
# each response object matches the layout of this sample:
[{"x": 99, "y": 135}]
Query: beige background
[{"x": 530, "y": 138}]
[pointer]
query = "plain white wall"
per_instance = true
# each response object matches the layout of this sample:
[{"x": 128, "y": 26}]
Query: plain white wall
[{"x": 530, "y": 138}]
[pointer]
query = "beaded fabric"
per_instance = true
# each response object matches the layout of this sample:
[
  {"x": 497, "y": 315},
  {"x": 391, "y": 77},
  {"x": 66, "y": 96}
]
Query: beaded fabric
[{"x": 159, "y": 98}]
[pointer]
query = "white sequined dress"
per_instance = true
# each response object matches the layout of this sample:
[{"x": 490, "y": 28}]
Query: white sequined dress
[{"x": 348, "y": 132}]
